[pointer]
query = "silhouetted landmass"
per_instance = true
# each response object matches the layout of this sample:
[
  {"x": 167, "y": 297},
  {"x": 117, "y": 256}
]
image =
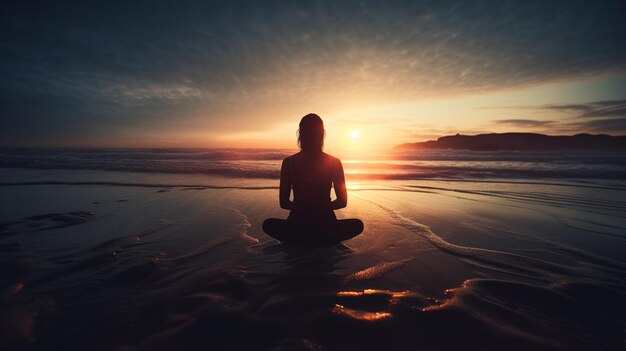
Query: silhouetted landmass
[{"x": 522, "y": 142}]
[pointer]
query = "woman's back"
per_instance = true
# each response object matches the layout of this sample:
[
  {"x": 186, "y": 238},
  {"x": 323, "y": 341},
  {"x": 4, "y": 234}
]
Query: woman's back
[
  {"x": 311, "y": 177},
  {"x": 312, "y": 168}
]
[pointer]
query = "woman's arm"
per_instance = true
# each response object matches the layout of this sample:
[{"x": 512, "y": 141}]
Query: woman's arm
[
  {"x": 339, "y": 183},
  {"x": 285, "y": 187}
]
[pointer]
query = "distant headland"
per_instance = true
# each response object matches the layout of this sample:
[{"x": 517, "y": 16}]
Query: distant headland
[{"x": 522, "y": 142}]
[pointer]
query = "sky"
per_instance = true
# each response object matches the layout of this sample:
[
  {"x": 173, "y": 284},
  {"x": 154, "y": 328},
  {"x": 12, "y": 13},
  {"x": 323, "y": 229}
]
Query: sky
[{"x": 242, "y": 73}]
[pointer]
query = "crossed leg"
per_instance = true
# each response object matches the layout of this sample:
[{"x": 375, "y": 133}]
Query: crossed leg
[{"x": 290, "y": 232}]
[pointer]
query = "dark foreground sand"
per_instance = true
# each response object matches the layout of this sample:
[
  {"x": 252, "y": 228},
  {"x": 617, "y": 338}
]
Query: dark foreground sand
[{"x": 441, "y": 265}]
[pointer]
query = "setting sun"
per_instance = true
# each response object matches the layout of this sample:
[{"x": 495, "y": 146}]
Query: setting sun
[{"x": 314, "y": 174}]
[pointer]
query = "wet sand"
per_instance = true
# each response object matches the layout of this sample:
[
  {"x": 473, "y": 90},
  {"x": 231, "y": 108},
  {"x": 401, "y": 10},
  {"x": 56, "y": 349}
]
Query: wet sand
[{"x": 441, "y": 265}]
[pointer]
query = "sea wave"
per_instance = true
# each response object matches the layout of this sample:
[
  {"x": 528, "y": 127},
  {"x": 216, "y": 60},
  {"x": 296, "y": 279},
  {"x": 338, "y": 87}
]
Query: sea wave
[{"x": 260, "y": 163}]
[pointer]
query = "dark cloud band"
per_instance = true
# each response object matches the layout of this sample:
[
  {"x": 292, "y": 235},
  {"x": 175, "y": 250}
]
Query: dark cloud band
[{"x": 142, "y": 65}]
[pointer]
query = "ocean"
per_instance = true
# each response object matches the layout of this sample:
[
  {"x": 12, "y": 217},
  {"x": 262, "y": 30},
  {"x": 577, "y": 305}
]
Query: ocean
[{"x": 124, "y": 249}]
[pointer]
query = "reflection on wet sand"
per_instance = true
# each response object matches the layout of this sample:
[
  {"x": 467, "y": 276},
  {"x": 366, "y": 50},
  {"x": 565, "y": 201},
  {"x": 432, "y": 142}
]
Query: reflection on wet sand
[
  {"x": 191, "y": 269},
  {"x": 391, "y": 297}
]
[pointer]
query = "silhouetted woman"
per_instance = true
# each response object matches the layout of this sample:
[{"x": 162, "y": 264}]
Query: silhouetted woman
[{"x": 310, "y": 173}]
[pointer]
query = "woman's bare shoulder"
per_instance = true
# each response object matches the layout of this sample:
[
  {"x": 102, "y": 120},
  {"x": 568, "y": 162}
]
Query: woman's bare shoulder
[
  {"x": 333, "y": 159},
  {"x": 291, "y": 158},
  {"x": 290, "y": 162}
]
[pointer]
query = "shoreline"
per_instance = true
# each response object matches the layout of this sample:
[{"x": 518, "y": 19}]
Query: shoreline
[{"x": 446, "y": 261}]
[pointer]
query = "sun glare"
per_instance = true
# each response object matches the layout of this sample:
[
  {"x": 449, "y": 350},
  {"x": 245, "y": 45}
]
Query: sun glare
[{"x": 355, "y": 134}]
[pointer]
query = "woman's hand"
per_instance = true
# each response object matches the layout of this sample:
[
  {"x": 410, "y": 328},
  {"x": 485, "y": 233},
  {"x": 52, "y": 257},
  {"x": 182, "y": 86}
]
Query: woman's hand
[
  {"x": 339, "y": 184},
  {"x": 285, "y": 187}
]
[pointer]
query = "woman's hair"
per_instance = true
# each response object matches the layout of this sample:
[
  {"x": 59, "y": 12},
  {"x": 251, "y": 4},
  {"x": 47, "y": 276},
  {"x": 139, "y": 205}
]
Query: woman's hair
[{"x": 311, "y": 133}]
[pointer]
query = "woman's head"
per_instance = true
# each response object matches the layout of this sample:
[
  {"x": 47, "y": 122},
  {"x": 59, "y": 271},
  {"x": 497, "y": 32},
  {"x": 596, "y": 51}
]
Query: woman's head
[{"x": 311, "y": 133}]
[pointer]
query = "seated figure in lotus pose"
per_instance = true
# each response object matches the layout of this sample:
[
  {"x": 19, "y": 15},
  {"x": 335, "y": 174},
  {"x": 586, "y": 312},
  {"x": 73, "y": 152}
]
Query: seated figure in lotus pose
[{"x": 310, "y": 174}]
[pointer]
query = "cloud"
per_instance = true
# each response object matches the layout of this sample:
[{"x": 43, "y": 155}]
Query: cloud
[
  {"x": 523, "y": 122},
  {"x": 598, "y": 109},
  {"x": 610, "y": 126},
  {"x": 599, "y": 116},
  {"x": 593, "y": 117},
  {"x": 217, "y": 63}
]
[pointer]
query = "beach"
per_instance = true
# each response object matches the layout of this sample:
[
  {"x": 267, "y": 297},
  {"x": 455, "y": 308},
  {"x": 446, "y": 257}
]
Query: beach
[
  {"x": 474, "y": 152},
  {"x": 134, "y": 250}
]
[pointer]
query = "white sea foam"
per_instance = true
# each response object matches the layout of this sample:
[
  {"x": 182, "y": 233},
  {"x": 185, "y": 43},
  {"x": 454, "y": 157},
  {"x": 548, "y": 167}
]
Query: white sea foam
[{"x": 259, "y": 163}]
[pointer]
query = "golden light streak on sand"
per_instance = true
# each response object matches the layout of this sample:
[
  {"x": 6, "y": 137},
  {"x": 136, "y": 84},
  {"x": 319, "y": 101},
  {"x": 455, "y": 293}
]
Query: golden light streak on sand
[
  {"x": 393, "y": 298},
  {"x": 440, "y": 304},
  {"x": 361, "y": 315}
]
